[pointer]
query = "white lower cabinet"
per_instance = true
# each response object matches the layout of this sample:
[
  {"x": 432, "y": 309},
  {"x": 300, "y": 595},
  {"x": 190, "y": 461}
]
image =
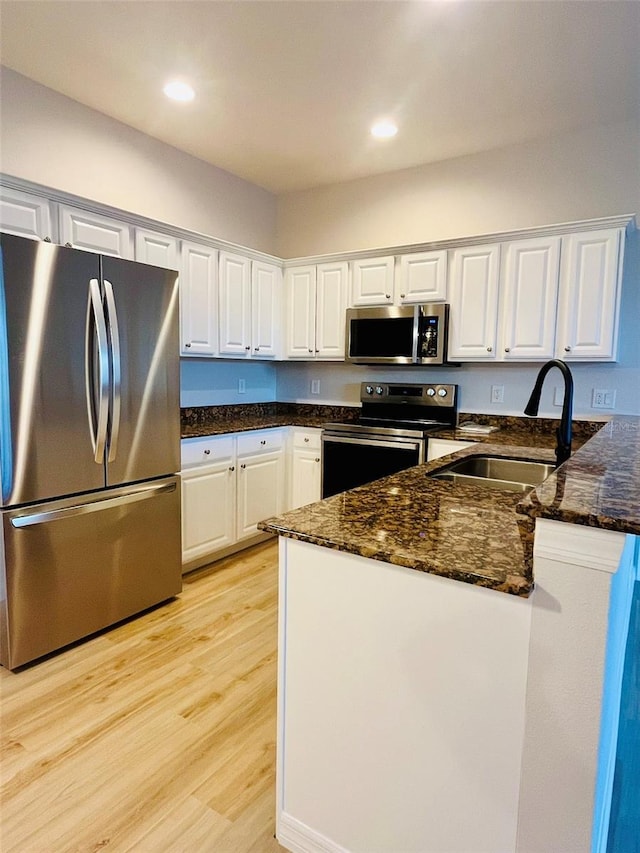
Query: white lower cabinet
[
  {"x": 229, "y": 484},
  {"x": 437, "y": 447},
  {"x": 305, "y": 478}
]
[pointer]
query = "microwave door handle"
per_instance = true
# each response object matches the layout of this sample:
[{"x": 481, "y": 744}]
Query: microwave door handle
[{"x": 416, "y": 334}]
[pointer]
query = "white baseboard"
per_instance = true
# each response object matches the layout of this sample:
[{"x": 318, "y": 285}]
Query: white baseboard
[{"x": 300, "y": 838}]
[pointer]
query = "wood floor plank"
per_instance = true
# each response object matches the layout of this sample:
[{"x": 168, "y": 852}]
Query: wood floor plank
[{"x": 156, "y": 735}]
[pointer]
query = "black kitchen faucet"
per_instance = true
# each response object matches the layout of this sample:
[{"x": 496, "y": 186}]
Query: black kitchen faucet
[{"x": 563, "y": 433}]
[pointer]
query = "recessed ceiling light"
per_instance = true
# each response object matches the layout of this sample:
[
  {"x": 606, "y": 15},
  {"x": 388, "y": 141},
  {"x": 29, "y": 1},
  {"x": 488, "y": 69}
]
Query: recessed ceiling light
[
  {"x": 178, "y": 91},
  {"x": 384, "y": 129}
]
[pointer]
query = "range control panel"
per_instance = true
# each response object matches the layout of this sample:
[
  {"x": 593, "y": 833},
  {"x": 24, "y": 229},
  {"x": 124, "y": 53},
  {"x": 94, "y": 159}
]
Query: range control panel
[{"x": 417, "y": 395}]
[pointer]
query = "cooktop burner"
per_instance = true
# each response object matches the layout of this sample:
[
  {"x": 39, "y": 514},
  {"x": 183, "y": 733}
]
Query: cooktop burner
[{"x": 409, "y": 410}]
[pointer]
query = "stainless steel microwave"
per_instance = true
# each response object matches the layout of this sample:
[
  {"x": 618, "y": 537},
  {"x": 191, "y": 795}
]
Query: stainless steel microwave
[{"x": 407, "y": 334}]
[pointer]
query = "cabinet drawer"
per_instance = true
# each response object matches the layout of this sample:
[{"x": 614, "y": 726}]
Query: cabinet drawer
[
  {"x": 260, "y": 441},
  {"x": 309, "y": 439},
  {"x": 204, "y": 451}
]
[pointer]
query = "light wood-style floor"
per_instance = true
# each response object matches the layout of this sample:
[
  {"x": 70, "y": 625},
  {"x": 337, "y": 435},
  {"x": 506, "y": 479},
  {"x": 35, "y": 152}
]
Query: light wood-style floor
[{"x": 158, "y": 735}]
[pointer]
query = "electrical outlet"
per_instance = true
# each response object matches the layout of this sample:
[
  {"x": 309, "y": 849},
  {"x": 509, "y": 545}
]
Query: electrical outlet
[
  {"x": 558, "y": 396},
  {"x": 242, "y": 388},
  {"x": 315, "y": 386},
  {"x": 603, "y": 398},
  {"x": 497, "y": 393}
]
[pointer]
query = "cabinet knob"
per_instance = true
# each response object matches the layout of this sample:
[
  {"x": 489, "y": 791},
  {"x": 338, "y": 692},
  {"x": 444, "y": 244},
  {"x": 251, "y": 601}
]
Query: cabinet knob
[
  {"x": 317, "y": 350},
  {"x": 207, "y": 452},
  {"x": 567, "y": 349},
  {"x": 307, "y": 440},
  {"x": 47, "y": 239},
  {"x": 317, "y": 458},
  {"x": 507, "y": 349},
  {"x": 263, "y": 441},
  {"x": 310, "y": 350},
  {"x": 489, "y": 349},
  {"x": 232, "y": 468},
  {"x": 387, "y": 296},
  {"x": 243, "y": 465},
  {"x": 402, "y": 295},
  {"x": 247, "y": 348},
  {"x": 256, "y": 349},
  {"x": 187, "y": 346},
  {"x": 68, "y": 246}
]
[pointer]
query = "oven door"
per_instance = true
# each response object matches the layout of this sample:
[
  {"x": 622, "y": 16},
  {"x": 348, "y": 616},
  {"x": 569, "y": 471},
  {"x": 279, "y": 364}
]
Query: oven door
[{"x": 348, "y": 461}]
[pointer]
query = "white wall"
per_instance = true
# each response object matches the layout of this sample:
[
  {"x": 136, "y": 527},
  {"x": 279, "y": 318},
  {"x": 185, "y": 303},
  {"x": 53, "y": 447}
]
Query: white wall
[
  {"x": 214, "y": 382},
  {"x": 55, "y": 141},
  {"x": 582, "y": 175}
]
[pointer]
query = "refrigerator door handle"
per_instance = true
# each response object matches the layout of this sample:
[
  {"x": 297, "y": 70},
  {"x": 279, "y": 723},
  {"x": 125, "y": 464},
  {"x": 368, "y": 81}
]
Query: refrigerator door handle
[
  {"x": 116, "y": 368},
  {"x": 98, "y": 430},
  {"x": 95, "y": 506}
]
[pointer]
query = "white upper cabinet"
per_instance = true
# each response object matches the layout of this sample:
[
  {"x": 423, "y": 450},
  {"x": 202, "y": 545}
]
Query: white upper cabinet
[
  {"x": 316, "y": 305},
  {"x": 529, "y": 293},
  {"x": 300, "y": 288},
  {"x": 94, "y": 233},
  {"x": 421, "y": 277},
  {"x": 474, "y": 303},
  {"x": 156, "y": 249},
  {"x": 25, "y": 215},
  {"x": 590, "y": 296},
  {"x": 372, "y": 281},
  {"x": 235, "y": 304},
  {"x": 250, "y": 306},
  {"x": 266, "y": 309},
  {"x": 198, "y": 299},
  {"x": 330, "y": 309}
]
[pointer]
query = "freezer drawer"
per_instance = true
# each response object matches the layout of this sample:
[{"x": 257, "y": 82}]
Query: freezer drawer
[{"x": 72, "y": 567}]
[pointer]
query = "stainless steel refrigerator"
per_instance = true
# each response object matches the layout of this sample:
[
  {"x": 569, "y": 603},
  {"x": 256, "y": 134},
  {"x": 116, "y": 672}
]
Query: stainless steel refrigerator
[{"x": 89, "y": 444}]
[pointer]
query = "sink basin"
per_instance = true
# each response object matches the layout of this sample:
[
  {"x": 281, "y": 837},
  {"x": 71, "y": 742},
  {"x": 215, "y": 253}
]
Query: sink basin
[{"x": 515, "y": 475}]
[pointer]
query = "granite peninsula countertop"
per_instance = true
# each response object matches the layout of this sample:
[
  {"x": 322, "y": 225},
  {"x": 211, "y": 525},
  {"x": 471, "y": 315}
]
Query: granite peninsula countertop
[
  {"x": 472, "y": 534},
  {"x": 199, "y": 421}
]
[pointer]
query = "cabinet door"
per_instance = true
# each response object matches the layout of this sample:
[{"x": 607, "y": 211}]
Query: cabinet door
[
  {"x": 95, "y": 233},
  {"x": 530, "y": 299},
  {"x": 260, "y": 490},
  {"x": 300, "y": 288},
  {"x": 266, "y": 309},
  {"x": 373, "y": 281},
  {"x": 25, "y": 215},
  {"x": 235, "y": 304},
  {"x": 474, "y": 303},
  {"x": 331, "y": 307},
  {"x": 208, "y": 509},
  {"x": 198, "y": 290},
  {"x": 422, "y": 277},
  {"x": 156, "y": 249},
  {"x": 305, "y": 477},
  {"x": 590, "y": 296}
]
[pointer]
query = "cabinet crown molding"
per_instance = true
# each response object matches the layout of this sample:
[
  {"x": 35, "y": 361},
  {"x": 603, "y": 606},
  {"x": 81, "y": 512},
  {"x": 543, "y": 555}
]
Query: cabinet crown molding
[{"x": 626, "y": 221}]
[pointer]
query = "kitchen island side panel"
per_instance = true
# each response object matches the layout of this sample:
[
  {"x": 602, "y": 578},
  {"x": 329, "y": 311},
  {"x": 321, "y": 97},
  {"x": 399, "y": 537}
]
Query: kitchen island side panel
[{"x": 402, "y": 701}]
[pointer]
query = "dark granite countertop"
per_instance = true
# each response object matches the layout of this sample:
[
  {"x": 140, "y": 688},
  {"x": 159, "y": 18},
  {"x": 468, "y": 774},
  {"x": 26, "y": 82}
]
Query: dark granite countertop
[
  {"x": 201, "y": 421},
  {"x": 478, "y": 535}
]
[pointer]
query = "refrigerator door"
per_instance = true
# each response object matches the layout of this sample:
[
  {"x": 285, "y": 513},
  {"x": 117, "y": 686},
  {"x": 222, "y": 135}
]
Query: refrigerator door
[
  {"x": 75, "y": 566},
  {"x": 142, "y": 319},
  {"x": 53, "y": 371}
]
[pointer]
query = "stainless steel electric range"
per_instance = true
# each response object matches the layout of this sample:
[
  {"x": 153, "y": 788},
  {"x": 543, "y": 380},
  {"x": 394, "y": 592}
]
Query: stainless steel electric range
[{"x": 389, "y": 436}]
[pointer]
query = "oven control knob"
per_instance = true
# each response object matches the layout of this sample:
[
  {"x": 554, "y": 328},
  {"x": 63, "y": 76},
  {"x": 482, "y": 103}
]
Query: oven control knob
[
  {"x": 379, "y": 390},
  {"x": 442, "y": 392},
  {"x": 369, "y": 389},
  {"x": 431, "y": 392}
]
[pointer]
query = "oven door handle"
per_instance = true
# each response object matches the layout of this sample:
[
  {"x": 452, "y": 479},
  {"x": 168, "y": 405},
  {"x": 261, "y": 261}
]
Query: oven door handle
[{"x": 410, "y": 444}]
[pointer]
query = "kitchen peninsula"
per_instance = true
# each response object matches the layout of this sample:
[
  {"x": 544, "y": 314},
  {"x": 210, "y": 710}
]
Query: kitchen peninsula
[{"x": 450, "y": 657}]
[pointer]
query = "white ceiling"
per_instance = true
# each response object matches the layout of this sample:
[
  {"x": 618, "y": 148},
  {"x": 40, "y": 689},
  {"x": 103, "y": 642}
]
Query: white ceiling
[{"x": 286, "y": 91}]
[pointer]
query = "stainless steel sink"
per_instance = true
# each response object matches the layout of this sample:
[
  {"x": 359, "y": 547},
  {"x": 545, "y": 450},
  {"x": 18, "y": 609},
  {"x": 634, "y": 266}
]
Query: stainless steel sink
[{"x": 515, "y": 475}]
